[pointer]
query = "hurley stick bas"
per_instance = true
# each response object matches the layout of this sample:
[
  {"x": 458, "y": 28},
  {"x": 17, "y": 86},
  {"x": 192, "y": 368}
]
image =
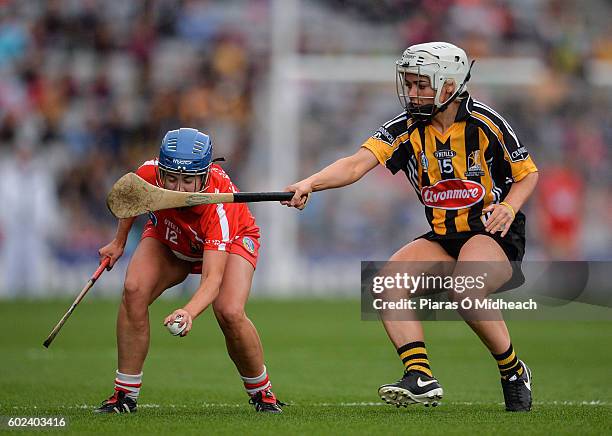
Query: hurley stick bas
[{"x": 131, "y": 196}]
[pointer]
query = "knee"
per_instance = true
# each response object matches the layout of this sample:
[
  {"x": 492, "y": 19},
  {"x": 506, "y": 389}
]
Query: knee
[
  {"x": 230, "y": 317},
  {"x": 135, "y": 299}
]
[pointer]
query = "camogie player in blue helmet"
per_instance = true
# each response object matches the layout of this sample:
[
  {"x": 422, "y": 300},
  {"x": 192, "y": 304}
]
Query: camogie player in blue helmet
[{"x": 218, "y": 241}]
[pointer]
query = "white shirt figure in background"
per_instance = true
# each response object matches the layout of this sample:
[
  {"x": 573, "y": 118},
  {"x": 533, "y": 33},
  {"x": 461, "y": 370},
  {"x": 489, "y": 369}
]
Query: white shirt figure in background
[{"x": 28, "y": 211}]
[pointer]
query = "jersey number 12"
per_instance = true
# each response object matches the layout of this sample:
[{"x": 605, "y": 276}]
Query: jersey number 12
[{"x": 171, "y": 235}]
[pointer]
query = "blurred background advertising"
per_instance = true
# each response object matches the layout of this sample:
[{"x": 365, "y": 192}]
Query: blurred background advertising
[{"x": 284, "y": 87}]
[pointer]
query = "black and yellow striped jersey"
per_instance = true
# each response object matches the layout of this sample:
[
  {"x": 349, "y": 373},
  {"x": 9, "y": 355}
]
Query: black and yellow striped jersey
[{"x": 459, "y": 173}]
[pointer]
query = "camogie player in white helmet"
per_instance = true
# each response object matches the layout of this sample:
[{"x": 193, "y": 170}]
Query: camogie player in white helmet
[{"x": 473, "y": 176}]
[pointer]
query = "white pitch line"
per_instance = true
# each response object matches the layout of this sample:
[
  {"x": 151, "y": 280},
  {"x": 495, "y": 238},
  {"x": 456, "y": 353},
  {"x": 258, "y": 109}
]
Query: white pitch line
[
  {"x": 356, "y": 404},
  {"x": 470, "y": 403}
]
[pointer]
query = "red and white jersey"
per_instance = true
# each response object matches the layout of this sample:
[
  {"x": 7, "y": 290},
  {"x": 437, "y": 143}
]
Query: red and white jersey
[{"x": 190, "y": 231}]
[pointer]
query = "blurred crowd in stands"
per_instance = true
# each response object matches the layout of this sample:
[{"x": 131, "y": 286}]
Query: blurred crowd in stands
[{"x": 88, "y": 87}]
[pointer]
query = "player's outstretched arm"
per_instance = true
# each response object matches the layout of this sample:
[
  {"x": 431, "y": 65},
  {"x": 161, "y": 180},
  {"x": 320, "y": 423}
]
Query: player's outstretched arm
[
  {"x": 341, "y": 173},
  {"x": 213, "y": 268},
  {"x": 114, "y": 249}
]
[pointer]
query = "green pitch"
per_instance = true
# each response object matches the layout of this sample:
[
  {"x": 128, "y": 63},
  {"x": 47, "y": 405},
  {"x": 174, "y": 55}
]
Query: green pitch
[{"x": 322, "y": 359}]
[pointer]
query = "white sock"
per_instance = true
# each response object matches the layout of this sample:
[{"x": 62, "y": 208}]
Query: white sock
[
  {"x": 129, "y": 383},
  {"x": 256, "y": 384}
]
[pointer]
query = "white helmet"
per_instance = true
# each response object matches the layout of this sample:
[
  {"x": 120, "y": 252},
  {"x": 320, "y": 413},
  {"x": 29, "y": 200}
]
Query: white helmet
[{"x": 440, "y": 61}]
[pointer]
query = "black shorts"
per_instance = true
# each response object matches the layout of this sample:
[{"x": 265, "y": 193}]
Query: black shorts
[{"x": 513, "y": 245}]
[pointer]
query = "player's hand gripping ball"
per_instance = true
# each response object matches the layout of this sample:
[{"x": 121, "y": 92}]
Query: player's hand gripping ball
[{"x": 175, "y": 327}]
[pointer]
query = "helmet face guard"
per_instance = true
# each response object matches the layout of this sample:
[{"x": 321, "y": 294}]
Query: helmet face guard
[
  {"x": 162, "y": 176},
  {"x": 185, "y": 152},
  {"x": 439, "y": 62},
  {"x": 423, "y": 112}
]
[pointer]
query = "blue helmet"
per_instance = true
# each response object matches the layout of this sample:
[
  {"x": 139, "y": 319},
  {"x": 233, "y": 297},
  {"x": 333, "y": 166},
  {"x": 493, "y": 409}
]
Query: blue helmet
[{"x": 186, "y": 151}]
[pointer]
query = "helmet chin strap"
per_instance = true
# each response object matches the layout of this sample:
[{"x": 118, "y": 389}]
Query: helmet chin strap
[{"x": 423, "y": 112}]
